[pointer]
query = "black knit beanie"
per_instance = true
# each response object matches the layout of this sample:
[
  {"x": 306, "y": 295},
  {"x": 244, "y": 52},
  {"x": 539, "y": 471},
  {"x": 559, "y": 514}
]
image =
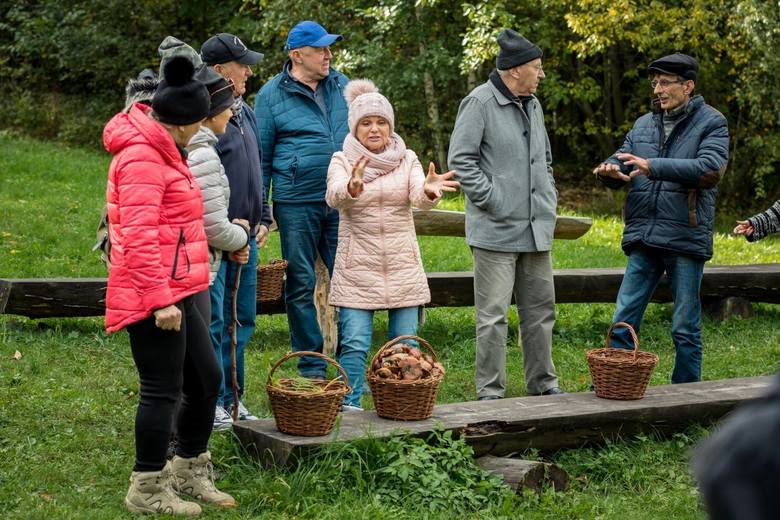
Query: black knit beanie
[
  {"x": 180, "y": 99},
  {"x": 220, "y": 91},
  {"x": 515, "y": 50}
]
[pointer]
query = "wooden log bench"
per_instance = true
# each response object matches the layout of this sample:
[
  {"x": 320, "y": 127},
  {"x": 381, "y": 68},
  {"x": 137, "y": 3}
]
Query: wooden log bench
[
  {"x": 76, "y": 297},
  {"x": 513, "y": 425},
  {"x": 443, "y": 223}
]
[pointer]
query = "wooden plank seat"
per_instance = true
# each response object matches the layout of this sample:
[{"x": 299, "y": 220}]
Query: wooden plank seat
[{"x": 547, "y": 423}]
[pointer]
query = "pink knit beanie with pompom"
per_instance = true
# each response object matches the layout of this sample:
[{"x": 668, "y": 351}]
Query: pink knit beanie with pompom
[{"x": 364, "y": 99}]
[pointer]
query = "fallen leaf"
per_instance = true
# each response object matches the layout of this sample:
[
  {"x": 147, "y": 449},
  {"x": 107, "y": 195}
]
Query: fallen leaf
[
  {"x": 44, "y": 495},
  {"x": 17, "y": 355}
]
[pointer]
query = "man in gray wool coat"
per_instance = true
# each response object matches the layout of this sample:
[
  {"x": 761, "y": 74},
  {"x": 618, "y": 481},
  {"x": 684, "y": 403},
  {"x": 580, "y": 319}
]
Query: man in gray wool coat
[{"x": 500, "y": 152}]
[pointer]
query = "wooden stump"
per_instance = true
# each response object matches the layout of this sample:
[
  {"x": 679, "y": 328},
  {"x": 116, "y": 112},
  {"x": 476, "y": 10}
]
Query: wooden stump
[
  {"x": 730, "y": 306},
  {"x": 520, "y": 474},
  {"x": 326, "y": 314}
]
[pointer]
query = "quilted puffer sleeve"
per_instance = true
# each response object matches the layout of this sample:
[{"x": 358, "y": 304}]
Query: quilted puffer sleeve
[
  {"x": 140, "y": 187},
  {"x": 208, "y": 171},
  {"x": 417, "y": 195},
  {"x": 339, "y": 173}
]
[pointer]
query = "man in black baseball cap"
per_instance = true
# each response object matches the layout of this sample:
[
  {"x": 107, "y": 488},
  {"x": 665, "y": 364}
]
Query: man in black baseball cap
[
  {"x": 231, "y": 58},
  {"x": 239, "y": 152}
]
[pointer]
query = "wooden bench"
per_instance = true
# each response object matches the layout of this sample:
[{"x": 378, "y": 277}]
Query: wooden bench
[
  {"x": 505, "y": 426},
  {"x": 74, "y": 297}
]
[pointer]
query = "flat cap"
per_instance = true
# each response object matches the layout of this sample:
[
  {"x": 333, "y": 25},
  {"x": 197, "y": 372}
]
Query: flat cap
[{"x": 678, "y": 64}]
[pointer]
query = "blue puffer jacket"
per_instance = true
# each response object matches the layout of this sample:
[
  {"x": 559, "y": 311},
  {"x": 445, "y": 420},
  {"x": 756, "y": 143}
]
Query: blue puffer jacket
[
  {"x": 297, "y": 139},
  {"x": 674, "y": 207}
]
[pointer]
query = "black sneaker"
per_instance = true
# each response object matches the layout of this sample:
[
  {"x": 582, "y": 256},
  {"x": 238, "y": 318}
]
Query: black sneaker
[{"x": 553, "y": 391}]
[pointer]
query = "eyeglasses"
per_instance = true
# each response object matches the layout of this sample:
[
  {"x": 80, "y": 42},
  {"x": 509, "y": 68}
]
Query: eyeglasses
[{"x": 664, "y": 83}]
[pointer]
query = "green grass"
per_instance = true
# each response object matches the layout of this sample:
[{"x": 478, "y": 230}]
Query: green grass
[{"x": 67, "y": 406}]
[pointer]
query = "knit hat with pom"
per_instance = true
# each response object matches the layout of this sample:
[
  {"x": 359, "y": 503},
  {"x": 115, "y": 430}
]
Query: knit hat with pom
[
  {"x": 180, "y": 99},
  {"x": 364, "y": 99}
]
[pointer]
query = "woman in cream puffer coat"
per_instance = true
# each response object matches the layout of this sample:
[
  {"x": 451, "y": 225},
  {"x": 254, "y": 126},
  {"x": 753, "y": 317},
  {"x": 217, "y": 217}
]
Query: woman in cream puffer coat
[{"x": 374, "y": 183}]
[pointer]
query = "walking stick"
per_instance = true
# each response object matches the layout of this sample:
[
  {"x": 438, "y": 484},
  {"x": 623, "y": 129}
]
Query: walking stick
[{"x": 234, "y": 340}]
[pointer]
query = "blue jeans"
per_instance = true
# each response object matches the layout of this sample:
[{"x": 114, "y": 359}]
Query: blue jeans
[
  {"x": 221, "y": 292},
  {"x": 355, "y": 329},
  {"x": 305, "y": 230},
  {"x": 643, "y": 272}
]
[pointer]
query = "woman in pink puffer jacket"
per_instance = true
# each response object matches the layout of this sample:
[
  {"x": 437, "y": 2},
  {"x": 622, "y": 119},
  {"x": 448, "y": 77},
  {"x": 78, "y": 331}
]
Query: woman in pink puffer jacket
[
  {"x": 159, "y": 267},
  {"x": 374, "y": 183}
]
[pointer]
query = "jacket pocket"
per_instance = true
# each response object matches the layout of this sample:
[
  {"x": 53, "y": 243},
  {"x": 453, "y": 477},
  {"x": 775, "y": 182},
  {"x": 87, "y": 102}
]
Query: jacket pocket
[
  {"x": 293, "y": 170},
  {"x": 693, "y": 219},
  {"x": 181, "y": 245}
]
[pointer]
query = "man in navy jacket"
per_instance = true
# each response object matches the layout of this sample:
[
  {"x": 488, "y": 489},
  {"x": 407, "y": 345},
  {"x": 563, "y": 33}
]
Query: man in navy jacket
[
  {"x": 239, "y": 152},
  {"x": 673, "y": 160},
  {"x": 302, "y": 122}
]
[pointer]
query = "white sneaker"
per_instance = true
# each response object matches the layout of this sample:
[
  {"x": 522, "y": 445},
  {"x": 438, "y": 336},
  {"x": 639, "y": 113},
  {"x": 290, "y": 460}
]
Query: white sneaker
[
  {"x": 222, "y": 420},
  {"x": 348, "y": 408},
  {"x": 243, "y": 413}
]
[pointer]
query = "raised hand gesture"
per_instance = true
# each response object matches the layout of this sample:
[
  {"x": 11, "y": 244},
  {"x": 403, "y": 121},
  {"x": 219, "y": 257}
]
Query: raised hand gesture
[
  {"x": 435, "y": 184},
  {"x": 355, "y": 186}
]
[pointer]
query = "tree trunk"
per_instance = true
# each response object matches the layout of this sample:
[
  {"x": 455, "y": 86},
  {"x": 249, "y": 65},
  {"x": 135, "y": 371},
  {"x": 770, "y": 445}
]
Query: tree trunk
[
  {"x": 433, "y": 108},
  {"x": 618, "y": 113},
  {"x": 471, "y": 81}
]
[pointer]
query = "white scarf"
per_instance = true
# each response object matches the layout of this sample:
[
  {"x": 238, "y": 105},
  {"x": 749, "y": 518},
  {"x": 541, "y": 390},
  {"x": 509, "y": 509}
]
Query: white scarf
[{"x": 380, "y": 163}]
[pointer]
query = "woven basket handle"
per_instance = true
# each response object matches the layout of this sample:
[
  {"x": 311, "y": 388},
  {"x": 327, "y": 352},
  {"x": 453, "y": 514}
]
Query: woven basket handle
[
  {"x": 630, "y": 330},
  {"x": 399, "y": 339},
  {"x": 302, "y": 353}
]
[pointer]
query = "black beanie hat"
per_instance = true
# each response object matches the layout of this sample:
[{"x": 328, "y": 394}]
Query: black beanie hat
[
  {"x": 180, "y": 99},
  {"x": 515, "y": 50},
  {"x": 220, "y": 91}
]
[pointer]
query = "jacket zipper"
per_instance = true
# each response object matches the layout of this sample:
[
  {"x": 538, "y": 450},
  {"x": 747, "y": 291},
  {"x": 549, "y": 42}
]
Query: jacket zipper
[{"x": 182, "y": 242}]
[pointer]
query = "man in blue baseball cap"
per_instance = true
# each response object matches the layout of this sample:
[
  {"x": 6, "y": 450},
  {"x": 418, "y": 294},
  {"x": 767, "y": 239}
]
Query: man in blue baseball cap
[{"x": 302, "y": 121}]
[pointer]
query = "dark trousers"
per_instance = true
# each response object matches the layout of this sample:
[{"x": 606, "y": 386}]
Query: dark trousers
[
  {"x": 306, "y": 230},
  {"x": 174, "y": 367}
]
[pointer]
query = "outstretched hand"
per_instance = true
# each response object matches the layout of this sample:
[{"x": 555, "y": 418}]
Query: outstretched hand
[
  {"x": 355, "y": 186},
  {"x": 435, "y": 184},
  {"x": 641, "y": 166},
  {"x": 743, "y": 228},
  {"x": 611, "y": 170}
]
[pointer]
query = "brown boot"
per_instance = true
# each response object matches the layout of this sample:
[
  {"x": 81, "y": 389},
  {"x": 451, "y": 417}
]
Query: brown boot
[
  {"x": 194, "y": 477},
  {"x": 152, "y": 492}
]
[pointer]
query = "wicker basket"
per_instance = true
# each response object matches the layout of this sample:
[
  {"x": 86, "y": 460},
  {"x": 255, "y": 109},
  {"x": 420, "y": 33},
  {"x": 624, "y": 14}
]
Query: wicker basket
[
  {"x": 403, "y": 400},
  {"x": 270, "y": 280},
  {"x": 620, "y": 373},
  {"x": 308, "y": 414}
]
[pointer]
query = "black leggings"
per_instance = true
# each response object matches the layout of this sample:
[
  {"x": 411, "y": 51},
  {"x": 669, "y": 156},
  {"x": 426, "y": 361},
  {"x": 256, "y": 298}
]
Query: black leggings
[{"x": 174, "y": 367}]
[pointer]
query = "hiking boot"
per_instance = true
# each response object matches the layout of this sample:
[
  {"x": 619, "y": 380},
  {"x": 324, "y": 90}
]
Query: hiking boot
[
  {"x": 243, "y": 413},
  {"x": 152, "y": 492},
  {"x": 194, "y": 477},
  {"x": 222, "y": 420}
]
